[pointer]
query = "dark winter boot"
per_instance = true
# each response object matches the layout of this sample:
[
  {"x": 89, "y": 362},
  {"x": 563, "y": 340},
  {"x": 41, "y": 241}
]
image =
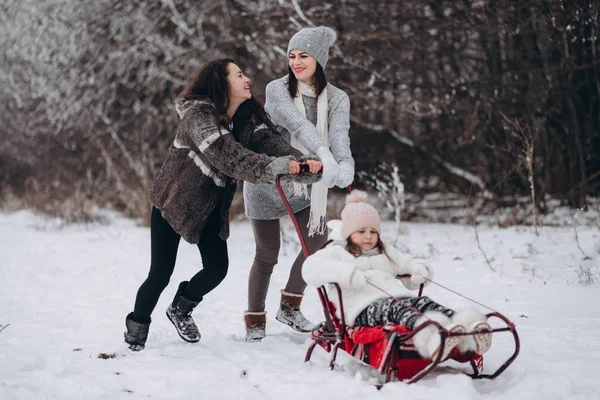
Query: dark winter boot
[
  {"x": 136, "y": 334},
  {"x": 180, "y": 314},
  {"x": 256, "y": 323},
  {"x": 289, "y": 312}
]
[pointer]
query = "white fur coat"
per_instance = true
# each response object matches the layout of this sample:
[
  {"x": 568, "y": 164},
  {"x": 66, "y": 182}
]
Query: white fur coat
[{"x": 335, "y": 264}]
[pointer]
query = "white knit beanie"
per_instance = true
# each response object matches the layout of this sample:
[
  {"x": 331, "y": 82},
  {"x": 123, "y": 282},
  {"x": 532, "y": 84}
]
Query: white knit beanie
[
  {"x": 314, "y": 41},
  {"x": 358, "y": 214}
]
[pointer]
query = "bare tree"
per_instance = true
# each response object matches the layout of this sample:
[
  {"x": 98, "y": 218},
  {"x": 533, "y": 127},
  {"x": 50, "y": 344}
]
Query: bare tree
[{"x": 525, "y": 146}]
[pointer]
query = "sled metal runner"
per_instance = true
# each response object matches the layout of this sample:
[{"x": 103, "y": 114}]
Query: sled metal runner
[{"x": 395, "y": 358}]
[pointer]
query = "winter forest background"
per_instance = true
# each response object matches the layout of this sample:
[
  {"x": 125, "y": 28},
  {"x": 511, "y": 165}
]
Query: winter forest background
[
  {"x": 482, "y": 112},
  {"x": 491, "y": 103}
]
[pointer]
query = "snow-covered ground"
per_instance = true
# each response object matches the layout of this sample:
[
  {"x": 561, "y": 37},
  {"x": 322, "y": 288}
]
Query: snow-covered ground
[{"x": 65, "y": 291}]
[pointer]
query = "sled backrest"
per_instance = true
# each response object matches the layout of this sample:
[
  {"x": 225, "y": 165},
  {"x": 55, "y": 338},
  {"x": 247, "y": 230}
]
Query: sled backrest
[{"x": 332, "y": 322}]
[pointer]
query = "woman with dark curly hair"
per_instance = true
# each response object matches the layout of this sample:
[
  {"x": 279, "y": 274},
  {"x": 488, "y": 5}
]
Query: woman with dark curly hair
[{"x": 224, "y": 135}]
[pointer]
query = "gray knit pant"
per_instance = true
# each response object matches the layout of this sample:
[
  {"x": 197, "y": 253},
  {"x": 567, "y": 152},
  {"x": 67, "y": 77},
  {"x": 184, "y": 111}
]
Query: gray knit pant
[
  {"x": 268, "y": 242},
  {"x": 383, "y": 311}
]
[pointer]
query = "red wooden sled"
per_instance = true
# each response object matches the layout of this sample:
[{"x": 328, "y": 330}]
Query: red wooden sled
[{"x": 389, "y": 348}]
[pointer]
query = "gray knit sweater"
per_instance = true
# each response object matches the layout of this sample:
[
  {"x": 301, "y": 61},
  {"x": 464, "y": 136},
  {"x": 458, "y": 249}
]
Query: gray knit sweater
[{"x": 261, "y": 200}]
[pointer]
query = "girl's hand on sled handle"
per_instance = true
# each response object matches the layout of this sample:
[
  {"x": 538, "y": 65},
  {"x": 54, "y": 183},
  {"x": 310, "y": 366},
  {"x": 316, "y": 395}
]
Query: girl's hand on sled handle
[
  {"x": 357, "y": 279},
  {"x": 420, "y": 273}
]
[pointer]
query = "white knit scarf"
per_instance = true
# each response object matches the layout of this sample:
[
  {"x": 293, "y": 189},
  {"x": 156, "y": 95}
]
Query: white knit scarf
[{"x": 318, "y": 194}]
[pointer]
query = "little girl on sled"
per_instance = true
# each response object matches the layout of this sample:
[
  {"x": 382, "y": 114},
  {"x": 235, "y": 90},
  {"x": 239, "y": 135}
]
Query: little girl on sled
[{"x": 363, "y": 261}]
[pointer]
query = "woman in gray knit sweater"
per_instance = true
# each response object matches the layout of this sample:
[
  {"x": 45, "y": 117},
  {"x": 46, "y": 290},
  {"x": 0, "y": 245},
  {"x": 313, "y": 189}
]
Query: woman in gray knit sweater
[
  {"x": 224, "y": 135},
  {"x": 316, "y": 115}
]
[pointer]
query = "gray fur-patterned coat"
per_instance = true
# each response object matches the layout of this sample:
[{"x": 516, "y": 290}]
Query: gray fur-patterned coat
[{"x": 204, "y": 163}]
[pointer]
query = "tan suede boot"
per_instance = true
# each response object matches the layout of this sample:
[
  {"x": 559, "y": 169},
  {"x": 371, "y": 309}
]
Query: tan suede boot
[
  {"x": 289, "y": 312},
  {"x": 256, "y": 323}
]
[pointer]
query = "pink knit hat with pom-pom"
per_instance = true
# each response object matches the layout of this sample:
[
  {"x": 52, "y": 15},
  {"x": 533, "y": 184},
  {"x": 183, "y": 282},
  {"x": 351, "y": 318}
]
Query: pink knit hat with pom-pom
[{"x": 358, "y": 214}]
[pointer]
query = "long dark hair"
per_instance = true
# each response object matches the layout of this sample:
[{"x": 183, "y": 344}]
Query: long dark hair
[
  {"x": 247, "y": 109},
  {"x": 356, "y": 251},
  {"x": 210, "y": 83},
  {"x": 320, "y": 81}
]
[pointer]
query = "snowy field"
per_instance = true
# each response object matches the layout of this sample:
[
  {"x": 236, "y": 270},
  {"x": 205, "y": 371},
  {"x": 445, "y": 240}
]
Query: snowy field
[{"x": 65, "y": 291}]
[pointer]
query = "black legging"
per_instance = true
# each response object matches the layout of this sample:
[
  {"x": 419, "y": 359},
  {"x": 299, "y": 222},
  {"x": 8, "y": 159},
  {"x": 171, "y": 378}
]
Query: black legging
[{"x": 164, "y": 245}]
